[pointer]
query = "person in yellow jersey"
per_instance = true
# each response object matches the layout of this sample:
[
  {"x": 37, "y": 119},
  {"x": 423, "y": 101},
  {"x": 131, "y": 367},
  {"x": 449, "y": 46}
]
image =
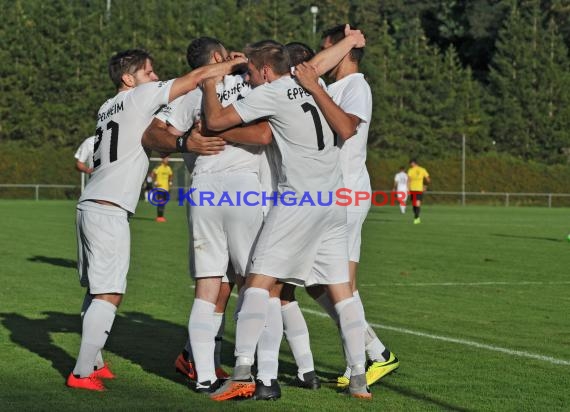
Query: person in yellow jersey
[
  {"x": 418, "y": 179},
  {"x": 162, "y": 177}
]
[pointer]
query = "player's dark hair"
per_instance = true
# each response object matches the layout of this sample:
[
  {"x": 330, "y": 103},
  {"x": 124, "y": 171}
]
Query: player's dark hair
[
  {"x": 270, "y": 53},
  {"x": 127, "y": 61},
  {"x": 299, "y": 52},
  {"x": 200, "y": 51},
  {"x": 336, "y": 34},
  {"x": 413, "y": 160}
]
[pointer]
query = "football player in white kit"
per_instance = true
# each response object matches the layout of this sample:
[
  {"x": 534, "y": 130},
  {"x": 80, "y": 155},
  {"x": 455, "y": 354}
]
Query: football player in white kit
[
  {"x": 348, "y": 110},
  {"x": 219, "y": 235},
  {"x": 298, "y": 244},
  {"x": 401, "y": 187},
  {"x": 120, "y": 166}
]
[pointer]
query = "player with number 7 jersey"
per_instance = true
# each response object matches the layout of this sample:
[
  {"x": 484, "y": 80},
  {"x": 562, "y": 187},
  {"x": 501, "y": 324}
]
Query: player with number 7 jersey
[{"x": 298, "y": 244}]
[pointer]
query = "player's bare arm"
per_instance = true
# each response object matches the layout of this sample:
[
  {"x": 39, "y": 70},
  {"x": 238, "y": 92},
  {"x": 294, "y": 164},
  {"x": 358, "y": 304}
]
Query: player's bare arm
[
  {"x": 190, "y": 81},
  {"x": 253, "y": 133},
  {"x": 326, "y": 59},
  {"x": 161, "y": 137},
  {"x": 217, "y": 117},
  {"x": 344, "y": 124},
  {"x": 82, "y": 167}
]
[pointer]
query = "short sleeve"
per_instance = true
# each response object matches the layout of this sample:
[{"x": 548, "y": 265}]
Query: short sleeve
[
  {"x": 187, "y": 111},
  {"x": 152, "y": 96},
  {"x": 258, "y": 104},
  {"x": 357, "y": 100}
]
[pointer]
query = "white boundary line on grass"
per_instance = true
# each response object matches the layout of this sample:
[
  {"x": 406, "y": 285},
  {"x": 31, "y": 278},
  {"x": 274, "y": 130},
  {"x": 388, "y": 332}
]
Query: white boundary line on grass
[
  {"x": 464, "y": 342},
  {"x": 493, "y": 283}
]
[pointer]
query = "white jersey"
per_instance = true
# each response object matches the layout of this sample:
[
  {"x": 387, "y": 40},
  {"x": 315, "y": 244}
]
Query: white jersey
[
  {"x": 401, "y": 180},
  {"x": 352, "y": 94},
  {"x": 119, "y": 159},
  {"x": 85, "y": 151},
  {"x": 235, "y": 158},
  {"x": 308, "y": 157}
]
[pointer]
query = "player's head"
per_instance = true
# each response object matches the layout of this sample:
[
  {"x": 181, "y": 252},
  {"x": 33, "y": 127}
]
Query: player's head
[
  {"x": 268, "y": 60},
  {"x": 130, "y": 68},
  {"x": 413, "y": 162},
  {"x": 205, "y": 50},
  {"x": 165, "y": 160},
  {"x": 335, "y": 34},
  {"x": 402, "y": 168},
  {"x": 299, "y": 52}
]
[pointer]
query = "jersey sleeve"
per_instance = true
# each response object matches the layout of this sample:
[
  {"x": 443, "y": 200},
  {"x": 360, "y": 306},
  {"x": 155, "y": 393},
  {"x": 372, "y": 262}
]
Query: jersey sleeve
[
  {"x": 150, "y": 97},
  {"x": 257, "y": 104},
  {"x": 83, "y": 153},
  {"x": 357, "y": 100},
  {"x": 186, "y": 112}
]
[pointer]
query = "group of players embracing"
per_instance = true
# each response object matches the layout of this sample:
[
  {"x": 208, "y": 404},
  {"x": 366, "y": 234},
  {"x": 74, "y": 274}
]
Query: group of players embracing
[{"x": 261, "y": 120}]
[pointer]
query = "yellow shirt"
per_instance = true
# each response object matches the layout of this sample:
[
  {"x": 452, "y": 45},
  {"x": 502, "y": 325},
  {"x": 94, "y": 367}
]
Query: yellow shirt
[
  {"x": 416, "y": 177},
  {"x": 163, "y": 176}
]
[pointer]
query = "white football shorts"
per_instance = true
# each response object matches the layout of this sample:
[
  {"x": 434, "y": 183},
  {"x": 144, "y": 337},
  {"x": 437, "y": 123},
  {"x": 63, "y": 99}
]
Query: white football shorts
[
  {"x": 303, "y": 245},
  {"x": 226, "y": 233},
  {"x": 103, "y": 247}
]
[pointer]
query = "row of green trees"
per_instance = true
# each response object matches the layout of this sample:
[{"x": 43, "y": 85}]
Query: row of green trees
[{"x": 495, "y": 71}]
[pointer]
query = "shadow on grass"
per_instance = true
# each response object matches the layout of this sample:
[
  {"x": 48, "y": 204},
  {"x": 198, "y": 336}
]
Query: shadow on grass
[
  {"x": 151, "y": 343},
  {"x": 549, "y": 239},
  {"x": 62, "y": 262}
]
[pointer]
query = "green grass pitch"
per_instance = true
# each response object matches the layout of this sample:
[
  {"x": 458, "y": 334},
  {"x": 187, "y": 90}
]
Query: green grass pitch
[{"x": 474, "y": 301}]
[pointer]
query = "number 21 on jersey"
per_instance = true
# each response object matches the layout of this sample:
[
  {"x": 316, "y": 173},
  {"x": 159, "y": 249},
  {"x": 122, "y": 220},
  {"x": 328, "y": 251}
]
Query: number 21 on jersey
[{"x": 113, "y": 129}]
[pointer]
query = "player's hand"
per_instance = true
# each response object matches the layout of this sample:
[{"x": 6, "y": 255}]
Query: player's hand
[
  {"x": 238, "y": 61},
  {"x": 307, "y": 76},
  {"x": 235, "y": 55},
  {"x": 89, "y": 170},
  {"x": 204, "y": 145},
  {"x": 357, "y": 36}
]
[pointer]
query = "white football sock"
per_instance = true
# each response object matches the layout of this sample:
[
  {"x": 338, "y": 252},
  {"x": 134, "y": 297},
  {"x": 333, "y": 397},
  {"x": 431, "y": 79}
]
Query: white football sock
[
  {"x": 374, "y": 347},
  {"x": 202, "y": 334},
  {"x": 250, "y": 324},
  {"x": 99, "y": 362},
  {"x": 219, "y": 325},
  {"x": 97, "y": 323},
  {"x": 269, "y": 343},
  {"x": 352, "y": 331},
  {"x": 297, "y": 334}
]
